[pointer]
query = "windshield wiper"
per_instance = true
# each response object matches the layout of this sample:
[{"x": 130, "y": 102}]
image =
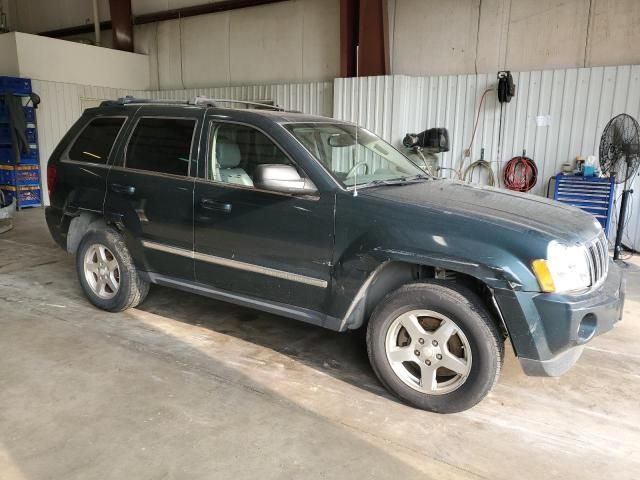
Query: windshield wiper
[{"x": 396, "y": 181}]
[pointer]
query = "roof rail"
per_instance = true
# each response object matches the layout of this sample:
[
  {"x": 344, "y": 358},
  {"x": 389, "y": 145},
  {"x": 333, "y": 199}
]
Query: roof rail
[
  {"x": 129, "y": 100},
  {"x": 213, "y": 102}
]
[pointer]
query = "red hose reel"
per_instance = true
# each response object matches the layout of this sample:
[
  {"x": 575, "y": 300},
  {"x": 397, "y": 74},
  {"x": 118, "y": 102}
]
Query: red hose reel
[{"x": 520, "y": 174}]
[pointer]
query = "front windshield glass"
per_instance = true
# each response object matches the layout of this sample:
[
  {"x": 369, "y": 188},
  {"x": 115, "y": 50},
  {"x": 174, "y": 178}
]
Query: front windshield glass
[{"x": 370, "y": 159}]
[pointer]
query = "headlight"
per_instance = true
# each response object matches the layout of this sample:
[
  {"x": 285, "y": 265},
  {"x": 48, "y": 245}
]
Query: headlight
[{"x": 565, "y": 269}]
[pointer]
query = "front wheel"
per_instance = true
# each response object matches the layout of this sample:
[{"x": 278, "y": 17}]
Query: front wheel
[
  {"x": 434, "y": 345},
  {"x": 106, "y": 272}
]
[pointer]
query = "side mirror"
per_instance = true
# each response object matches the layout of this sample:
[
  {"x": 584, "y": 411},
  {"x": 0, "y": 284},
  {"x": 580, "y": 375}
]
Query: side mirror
[{"x": 282, "y": 178}]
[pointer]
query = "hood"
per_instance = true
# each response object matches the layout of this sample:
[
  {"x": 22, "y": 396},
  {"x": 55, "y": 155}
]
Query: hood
[{"x": 501, "y": 207}]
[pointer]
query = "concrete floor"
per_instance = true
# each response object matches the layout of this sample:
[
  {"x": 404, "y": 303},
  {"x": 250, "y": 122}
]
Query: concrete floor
[{"x": 187, "y": 387}]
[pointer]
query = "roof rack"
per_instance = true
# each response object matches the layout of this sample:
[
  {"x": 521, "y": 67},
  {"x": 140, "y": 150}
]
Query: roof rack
[
  {"x": 213, "y": 102},
  {"x": 129, "y": 100}
]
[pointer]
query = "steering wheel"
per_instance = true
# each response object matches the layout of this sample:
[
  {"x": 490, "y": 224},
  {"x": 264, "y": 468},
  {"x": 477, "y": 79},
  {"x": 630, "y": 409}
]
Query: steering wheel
[{"x": 353, "y": 169}]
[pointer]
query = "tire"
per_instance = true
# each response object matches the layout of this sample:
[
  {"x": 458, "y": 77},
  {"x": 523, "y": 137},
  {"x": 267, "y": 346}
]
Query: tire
[
  {"x": 431, "y": 310},
  {"x": 100, "y": 255}
]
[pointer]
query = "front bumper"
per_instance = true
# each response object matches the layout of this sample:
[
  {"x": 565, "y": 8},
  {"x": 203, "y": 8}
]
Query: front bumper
[{"x": 549, "y": 331}]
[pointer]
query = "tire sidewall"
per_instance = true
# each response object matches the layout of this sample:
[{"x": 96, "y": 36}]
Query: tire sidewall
[
  {"x": 107, "y": 238},
  {"x": 486, "y": 358}
]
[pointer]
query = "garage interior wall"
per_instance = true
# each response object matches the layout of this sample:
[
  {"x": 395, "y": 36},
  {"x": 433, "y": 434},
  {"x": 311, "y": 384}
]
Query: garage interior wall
[
  {"x": 298, "y": 40},
  {"x": 579, "y": 102},
  {"x": 292, "y": 41},
  {"x": 315, "y": 98},
  {"x": 435, "y": 37}
]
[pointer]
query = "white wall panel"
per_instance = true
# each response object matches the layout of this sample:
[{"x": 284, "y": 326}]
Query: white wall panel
[
  {"x": 580, "y": 102},
  {"x": 312, "y": 98}
]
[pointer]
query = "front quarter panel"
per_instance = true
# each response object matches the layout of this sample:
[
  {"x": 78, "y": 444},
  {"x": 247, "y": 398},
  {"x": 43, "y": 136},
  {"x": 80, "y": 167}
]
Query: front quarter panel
[{"x": 371, "y": 231}]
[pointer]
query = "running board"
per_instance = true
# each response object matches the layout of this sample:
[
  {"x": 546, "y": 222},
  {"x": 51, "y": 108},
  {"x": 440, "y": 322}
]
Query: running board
[{"x": 290, "y": 311}]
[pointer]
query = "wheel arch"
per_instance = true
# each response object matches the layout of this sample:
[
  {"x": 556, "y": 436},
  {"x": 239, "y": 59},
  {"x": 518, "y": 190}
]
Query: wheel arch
[
  {"x": 392, "y": 274},
  {"x": 79, "y": 226}
]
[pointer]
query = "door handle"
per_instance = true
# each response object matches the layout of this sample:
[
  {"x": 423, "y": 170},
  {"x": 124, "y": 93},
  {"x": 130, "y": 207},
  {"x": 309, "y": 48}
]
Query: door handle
[
  {"x": 209, "y": 204},
  {"x": 126, "y": 189}
]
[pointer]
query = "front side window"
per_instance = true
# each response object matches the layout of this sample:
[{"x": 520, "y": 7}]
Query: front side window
[
  {"x": 236, "y": 151},
  {"x": 353, "y": 155},
  {"x": 95, "y": 142},
  {"x": 161, "y": 145}
]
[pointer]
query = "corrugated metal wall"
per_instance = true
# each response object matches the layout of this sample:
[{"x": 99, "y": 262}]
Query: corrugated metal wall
[
  {"x": 314, "y": 98},
  {"x": 580, "y": 102}
]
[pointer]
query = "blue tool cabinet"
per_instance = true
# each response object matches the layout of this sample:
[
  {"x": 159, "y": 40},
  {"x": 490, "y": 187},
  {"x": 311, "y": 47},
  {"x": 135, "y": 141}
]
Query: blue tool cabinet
[
  {"x": 19, "y": 179},
  {"x": 591, "y": 194}
]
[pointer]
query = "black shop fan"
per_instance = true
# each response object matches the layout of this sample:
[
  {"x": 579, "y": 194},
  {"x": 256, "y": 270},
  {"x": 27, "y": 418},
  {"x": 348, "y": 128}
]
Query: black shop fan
[{"x": 620, "y": 157}]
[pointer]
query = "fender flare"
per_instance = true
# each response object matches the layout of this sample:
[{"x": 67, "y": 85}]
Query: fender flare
[{"x": 400, "y": 268}]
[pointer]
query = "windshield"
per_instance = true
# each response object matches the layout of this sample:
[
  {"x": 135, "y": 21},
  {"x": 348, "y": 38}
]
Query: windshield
[{"x": 370, "y": 159}]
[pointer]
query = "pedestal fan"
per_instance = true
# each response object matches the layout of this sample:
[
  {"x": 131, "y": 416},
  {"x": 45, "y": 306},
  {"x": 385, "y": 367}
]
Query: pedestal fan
[{"x": 620, "y": 156}]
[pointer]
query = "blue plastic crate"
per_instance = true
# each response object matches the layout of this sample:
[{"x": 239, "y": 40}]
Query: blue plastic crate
[
  {"x": 29, "y": 114},
  {"x": 592, "y": 194},
  {"x": 15, "y": 85},
  {"x": 5, "y": 135},
  {"x": 7, "y": 158},
  {"x": 26, "y": 196},
  {"x": 6, "y": 175},
  {"x": 20, "y": 175}
]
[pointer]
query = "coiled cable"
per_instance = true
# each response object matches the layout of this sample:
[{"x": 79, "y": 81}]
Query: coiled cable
[
  {"x": 520, "y": 174},
  {"x": 480, "y": 165}
]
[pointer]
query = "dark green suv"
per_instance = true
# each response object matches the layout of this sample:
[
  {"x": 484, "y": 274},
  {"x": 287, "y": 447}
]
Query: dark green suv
[{"x": 321, "y": 221}]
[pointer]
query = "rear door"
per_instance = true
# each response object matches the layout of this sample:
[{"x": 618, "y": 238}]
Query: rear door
[{"x": 150, "y": 188}]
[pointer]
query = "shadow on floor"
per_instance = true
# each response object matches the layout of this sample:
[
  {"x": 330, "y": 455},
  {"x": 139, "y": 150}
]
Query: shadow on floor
[{"x": 341, "y": 355}]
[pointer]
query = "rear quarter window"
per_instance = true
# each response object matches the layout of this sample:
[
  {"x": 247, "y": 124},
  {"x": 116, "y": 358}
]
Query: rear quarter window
[
  {"x": 96, "y": 140},
  {"x": 161, "y": 145}
]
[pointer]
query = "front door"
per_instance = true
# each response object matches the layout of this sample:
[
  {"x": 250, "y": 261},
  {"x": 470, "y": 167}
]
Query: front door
[
  {"x": 263, "y": 244},
  {"x": 150, "y": 190}
]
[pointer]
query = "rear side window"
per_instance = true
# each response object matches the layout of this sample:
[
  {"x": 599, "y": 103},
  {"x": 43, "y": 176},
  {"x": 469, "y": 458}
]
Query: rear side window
[
  {"x": 161, "y": 145},
  {"x": 95, "y": 142}
]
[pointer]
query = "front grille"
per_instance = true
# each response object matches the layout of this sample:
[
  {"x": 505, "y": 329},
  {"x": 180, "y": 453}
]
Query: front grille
[{"x": 598, "y": 259}]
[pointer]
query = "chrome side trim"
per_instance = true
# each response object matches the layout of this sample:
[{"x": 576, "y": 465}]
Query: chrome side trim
[
  {"x": 183, "y": 252},
  {"x": 247, "y": 267},
  {"x": 250, "y": 267}
]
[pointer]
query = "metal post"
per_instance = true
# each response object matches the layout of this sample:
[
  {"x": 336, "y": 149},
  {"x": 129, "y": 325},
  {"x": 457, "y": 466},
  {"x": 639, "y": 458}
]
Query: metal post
[
  {"x": 96, "y": 22},
  {"x": 620, "y": 227}
]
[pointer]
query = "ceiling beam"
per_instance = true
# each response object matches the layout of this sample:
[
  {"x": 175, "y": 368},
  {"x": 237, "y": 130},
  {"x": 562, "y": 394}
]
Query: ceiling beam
[
  {"x": 203, "y": 9},
  {"x": 223, "y": 6}
]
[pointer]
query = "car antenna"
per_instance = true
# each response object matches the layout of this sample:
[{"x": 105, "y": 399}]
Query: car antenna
[{"x": 355, "y": 176}]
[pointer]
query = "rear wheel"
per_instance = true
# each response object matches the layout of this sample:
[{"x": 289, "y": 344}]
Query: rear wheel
[
  {"x": 106, "y": 272},
  {"x": 435, "y": 346}
]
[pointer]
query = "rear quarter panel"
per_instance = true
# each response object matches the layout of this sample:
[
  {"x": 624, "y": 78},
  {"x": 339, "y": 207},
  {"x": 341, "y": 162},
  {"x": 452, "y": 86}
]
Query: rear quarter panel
[{"x": 79, "y": 186}]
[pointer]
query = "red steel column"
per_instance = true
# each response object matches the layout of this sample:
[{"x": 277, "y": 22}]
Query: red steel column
[
  {"x": 363, "y": 23},
  {"x": 122, "y": 24}
]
